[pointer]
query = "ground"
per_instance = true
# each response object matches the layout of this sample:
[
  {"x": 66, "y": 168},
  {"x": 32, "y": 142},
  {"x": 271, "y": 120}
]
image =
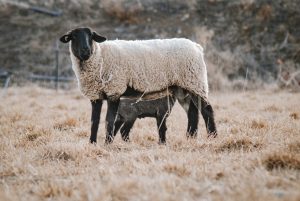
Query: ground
[{"x": 45, "y": 154}]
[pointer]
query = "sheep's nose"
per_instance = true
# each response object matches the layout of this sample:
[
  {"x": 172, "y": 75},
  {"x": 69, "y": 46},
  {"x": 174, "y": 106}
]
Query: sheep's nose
[
  {"x": 85, "y": 53},
  {"x": 85, "y": 50}
]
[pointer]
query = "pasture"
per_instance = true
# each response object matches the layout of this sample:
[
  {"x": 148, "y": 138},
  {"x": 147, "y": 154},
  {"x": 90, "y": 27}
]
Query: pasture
[{"x": 45, "y": 154}]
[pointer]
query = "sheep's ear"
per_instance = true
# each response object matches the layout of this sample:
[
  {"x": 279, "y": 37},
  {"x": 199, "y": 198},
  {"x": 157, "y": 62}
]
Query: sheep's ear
[
  {"x": 96, "y": 37},
  {"x": 65, "y": 38}
]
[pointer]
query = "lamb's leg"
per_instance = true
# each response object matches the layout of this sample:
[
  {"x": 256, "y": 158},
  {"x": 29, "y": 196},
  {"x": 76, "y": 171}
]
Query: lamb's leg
[
  {"x": 125, "y": 130},
  {"x": 118, "y": 124},
  {"x": 162, "y": 128},
  {"x": 193, "y": 118},
  {"x": 96, "y": 111},
  {"x": 208, "y": 116},
  {"x": 111, "y": 115}
]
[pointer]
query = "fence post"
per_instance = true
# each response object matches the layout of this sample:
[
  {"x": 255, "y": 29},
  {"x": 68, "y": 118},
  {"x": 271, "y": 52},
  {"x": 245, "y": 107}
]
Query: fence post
[{"x": 56, "y": 59}]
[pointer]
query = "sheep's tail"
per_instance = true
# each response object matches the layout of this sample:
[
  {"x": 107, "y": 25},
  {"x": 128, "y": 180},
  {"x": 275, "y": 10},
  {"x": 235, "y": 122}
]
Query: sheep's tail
[{"x": 205, "y": 89}]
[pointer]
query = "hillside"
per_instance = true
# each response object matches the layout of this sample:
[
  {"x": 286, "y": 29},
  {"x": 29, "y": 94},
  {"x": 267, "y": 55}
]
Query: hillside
[{"x": 253, "y": 39}]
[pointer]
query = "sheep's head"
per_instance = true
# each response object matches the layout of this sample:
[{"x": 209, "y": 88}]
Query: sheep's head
[{"x": 82, "y": 42}]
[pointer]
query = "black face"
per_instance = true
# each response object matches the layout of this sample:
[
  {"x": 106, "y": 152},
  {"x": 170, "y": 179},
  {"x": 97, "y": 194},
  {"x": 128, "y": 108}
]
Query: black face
[{"x": 82, "y": 42}]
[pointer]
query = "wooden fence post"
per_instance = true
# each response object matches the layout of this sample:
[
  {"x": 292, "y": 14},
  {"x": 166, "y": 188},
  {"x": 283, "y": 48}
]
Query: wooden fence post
[{"x": 57, "y": 64}]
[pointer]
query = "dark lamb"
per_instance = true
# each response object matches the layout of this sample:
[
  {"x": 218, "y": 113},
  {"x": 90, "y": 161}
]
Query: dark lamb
[{"x": 131, "y": 108}]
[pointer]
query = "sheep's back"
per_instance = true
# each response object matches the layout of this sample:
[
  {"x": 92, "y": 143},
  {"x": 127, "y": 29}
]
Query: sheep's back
[{"x": 153, "y": 65}]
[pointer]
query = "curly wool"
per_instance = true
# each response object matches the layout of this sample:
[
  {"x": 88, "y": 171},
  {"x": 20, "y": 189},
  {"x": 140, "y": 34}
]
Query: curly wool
[{"x": 146, "y": 66}]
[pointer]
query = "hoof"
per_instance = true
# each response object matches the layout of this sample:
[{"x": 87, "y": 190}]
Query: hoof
[
  {"x": 108, "y": 140},
  {"x": 191, "y": 135},
  {"x": 125, "y": 139},
  {"x": 212, "y": 135},
  {"x": 162, "y": 143},
  {"x": 93, "y": 141}
]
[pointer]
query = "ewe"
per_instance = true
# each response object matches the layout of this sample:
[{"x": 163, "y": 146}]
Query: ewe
[{"x": 105, "y": 70}]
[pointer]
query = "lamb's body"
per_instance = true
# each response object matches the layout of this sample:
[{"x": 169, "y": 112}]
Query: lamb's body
[
  {"x": 146, "y": 66},
  {"x": 158, "y": 105}
]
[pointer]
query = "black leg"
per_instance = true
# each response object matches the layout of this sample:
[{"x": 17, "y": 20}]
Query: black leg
[
  {"x": 118, "y": 124},
  {"x": 96, "y": 111},
  {"x": 110, "y": 119},
  {"x": 162, "y": 128},
  {"x": 208, "y": 116},
  {"x": 126, "y": 129},
  {"x": 193, "y": 118}
]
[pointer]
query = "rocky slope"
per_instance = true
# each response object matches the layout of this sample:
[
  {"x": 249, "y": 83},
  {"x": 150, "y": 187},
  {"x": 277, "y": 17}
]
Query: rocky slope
[{"x": 242, "y": 38}]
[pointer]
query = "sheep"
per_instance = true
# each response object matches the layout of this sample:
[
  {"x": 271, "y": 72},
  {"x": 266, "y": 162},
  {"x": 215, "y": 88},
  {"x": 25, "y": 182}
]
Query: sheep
[
  {"x": 105, "y": 69},
  {"x": 157, "y": 105}
]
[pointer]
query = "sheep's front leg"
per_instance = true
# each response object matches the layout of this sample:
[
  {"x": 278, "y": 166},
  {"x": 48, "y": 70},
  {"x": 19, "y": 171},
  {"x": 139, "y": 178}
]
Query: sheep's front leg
[
  {"x": 96, "y": 111},
  {"x": 110, "y": 119}
]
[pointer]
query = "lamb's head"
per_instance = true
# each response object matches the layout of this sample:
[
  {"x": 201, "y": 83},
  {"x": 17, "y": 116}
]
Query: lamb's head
[{"x": 82, "y": 42}]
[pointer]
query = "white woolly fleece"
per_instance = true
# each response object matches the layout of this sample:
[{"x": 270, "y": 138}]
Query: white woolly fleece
[{"x": 146, "y": 65}]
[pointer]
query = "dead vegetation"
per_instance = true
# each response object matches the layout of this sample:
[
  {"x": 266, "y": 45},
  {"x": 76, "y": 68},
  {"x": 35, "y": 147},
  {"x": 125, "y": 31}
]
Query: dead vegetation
[
  {"x": 238, "y": 144},
  {"x": 45, "y": 154},
  {"x": 65, "y": 124},
  {"x": 262, "y": 49},
  {"x": 282, "y": 160}
]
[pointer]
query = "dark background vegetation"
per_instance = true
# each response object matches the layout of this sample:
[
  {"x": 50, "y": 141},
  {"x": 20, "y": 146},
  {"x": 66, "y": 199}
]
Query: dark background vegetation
[{"x": 245, "y": 41}]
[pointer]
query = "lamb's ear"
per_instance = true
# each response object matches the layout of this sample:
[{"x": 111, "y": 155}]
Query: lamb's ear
[
  {"x": 96, "y": 37},
  {"x": 65, "y": 38}
]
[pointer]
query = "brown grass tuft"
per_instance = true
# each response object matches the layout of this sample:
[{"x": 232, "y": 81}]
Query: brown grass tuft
[
  {"x": 15, "y": 117},
  {"x": 234, "y": 130},
  {"x": 272, "y": 108},
  {"x": 58, "y": 155},
  {"x": 7, "y": 173},
  {"x": 294, "y": 115},
  {"x": 61, "y": 107},
  {"x": 151, "y": 138},
  {"x": 219, "y": 175},
  {"x": 179, "y": 170},
  {"x": 258, "y": 124},
  {"x": 233, "y": 144},
  {"x": 82, "y": 133},
  {"x": 66, "y": 124},
  {"x": 32, "y": 133},
  {"x": 282, "y": 160},
  {"x": 294, "y": 147},
  {"x": 51, "y": 190}
]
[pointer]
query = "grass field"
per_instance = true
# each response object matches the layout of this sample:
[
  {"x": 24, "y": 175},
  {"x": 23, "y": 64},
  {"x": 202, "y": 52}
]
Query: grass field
[{"x": 45, "y": 155}]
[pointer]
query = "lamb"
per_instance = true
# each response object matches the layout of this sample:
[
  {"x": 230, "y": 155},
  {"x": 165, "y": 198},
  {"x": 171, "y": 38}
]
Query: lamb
[
  {"x": 157, "y": 105},
  {"x": 105, "y": 70}
]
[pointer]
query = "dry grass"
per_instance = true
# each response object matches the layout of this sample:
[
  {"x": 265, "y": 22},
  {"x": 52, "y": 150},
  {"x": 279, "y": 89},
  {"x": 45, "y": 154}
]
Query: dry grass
[
  {"x": 45, "y": 155},
  {"x": 282, "y": 160},
  {"x": 236, "y": 144}
]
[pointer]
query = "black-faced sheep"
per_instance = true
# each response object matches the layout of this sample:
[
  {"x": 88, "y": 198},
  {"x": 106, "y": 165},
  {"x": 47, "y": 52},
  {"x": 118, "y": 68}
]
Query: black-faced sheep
[{"x": 107, "y": 69}]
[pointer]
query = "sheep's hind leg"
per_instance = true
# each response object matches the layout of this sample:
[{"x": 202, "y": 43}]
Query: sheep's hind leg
[
  {"x": 125, "y": 130},
  {"x": 193, "y": 117},
  {"x": 191, "y": 108},
  {"x": 96, "y": 111},
  {"x": 208, "y": 116},
  {"x": 110, "y": 120}
]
